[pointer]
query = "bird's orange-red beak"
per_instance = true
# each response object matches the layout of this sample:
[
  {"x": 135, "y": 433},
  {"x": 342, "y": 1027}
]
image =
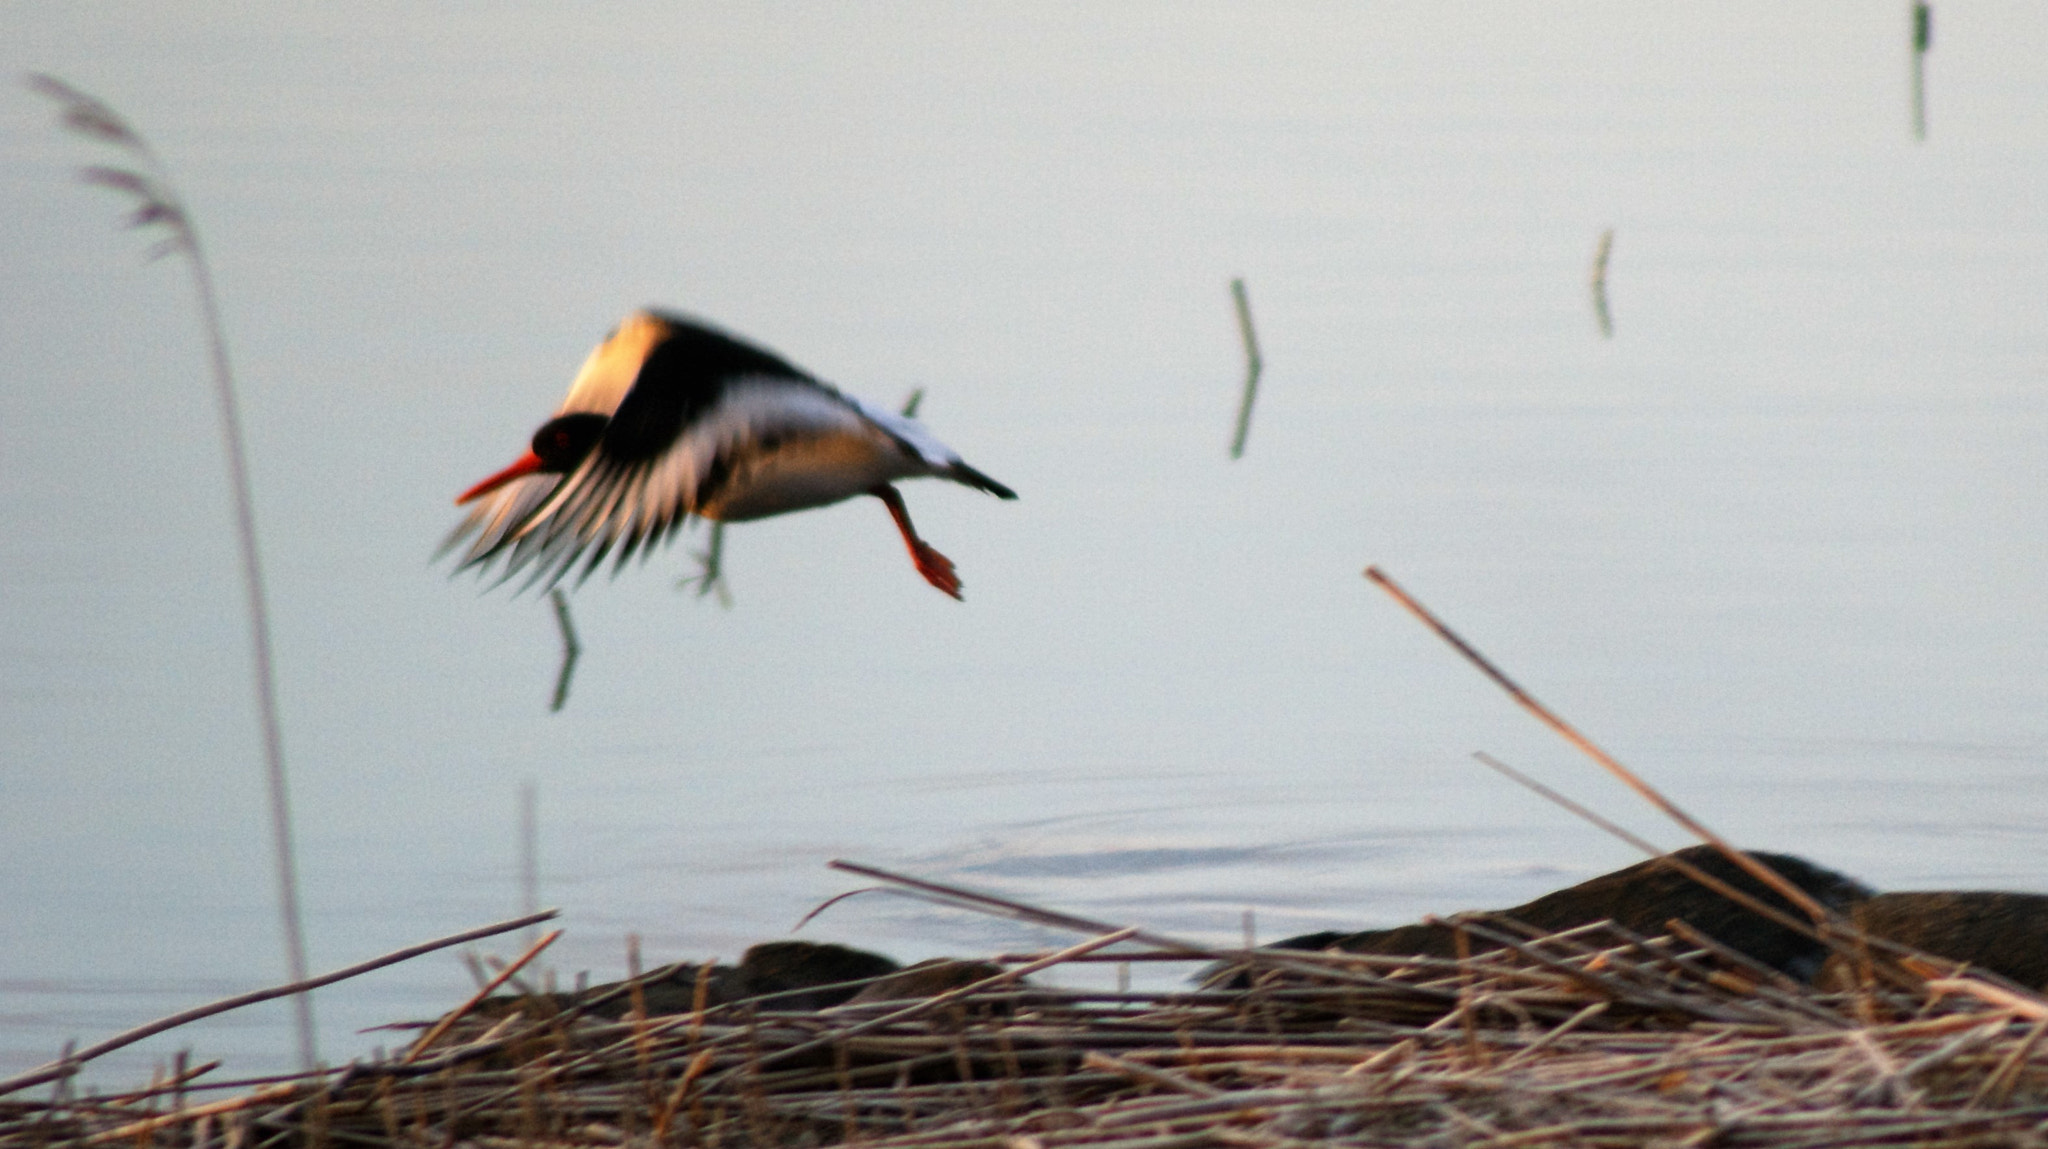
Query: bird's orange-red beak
[{"x": 526, "y": 464}]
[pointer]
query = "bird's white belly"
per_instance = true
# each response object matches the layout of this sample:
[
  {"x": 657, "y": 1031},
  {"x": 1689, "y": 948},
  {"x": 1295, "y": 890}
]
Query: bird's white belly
[{"x": 803, "y": 473}]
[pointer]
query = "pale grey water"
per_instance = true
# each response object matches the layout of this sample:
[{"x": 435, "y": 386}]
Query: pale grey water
[{"x": 1777, "y": 544}]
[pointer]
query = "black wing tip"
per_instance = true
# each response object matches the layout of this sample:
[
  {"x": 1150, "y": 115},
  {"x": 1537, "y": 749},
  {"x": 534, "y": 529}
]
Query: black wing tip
[{"x": 962, "y": 473}]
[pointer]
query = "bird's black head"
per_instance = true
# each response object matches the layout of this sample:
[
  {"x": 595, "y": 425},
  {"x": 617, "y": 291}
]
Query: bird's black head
[{"x": 566, "y": 440}]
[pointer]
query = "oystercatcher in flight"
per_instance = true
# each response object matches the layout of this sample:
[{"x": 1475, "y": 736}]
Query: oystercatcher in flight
[{"x": 670, "y": 419}]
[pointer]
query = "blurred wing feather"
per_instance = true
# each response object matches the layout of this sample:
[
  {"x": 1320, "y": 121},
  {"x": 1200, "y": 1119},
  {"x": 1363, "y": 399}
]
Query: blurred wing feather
[{"x": 609, "y": 504}]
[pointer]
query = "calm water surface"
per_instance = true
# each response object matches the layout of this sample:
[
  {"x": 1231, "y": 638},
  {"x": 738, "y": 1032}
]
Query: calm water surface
[{"x": 1777, "y": 544}]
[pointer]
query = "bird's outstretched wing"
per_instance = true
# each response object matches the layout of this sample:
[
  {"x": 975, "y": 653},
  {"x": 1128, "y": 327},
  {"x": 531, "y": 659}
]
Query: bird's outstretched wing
[{"x": 630, "y": 495}]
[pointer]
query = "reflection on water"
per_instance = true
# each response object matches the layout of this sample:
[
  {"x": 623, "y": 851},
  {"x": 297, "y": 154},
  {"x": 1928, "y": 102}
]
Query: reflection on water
[{"x": 1774, "y": 544}]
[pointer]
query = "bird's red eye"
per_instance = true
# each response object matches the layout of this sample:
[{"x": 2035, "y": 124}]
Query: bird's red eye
[{"x": 565, "y": 441}]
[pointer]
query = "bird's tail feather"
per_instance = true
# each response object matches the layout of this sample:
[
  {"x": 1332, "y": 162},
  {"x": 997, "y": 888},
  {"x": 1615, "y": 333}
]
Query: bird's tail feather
[{"x": 962, "y": 473}]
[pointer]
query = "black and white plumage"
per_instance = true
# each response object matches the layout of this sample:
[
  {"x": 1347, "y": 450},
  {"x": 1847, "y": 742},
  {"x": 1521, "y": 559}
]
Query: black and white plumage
[{"x": 671, "y": 419}]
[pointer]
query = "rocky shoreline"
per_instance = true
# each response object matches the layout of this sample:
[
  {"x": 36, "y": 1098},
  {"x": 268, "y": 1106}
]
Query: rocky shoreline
[{"x": 2000, "y": 933}]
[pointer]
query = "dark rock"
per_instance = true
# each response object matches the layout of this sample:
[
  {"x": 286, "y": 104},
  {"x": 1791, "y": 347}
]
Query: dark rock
[
  {"x": 1642, "y": 898},
  {"x": 797, "y": 974},
  {"x": 927, "y": 979},
  {"x": 781, "y": 968},
  {"x": 2005, "y": 933},
  {"x": 675, "y": 993}
]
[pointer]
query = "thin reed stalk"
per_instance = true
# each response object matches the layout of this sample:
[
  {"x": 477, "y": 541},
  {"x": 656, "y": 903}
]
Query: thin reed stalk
[
  {"x": 571, "y": 649},
  {"x": 1923, "y": 39},
  {"x": 158, "y": 205},
  {"x": 428, "y": 1038},
  {"x": 1599, "y": 284},
  {"x": 1608, "y": 762},
  {"x": 1254, "y": 366}
]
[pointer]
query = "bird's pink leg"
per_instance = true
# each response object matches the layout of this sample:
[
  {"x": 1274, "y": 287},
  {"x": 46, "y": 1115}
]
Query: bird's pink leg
[{"x": 936, "y": 568}]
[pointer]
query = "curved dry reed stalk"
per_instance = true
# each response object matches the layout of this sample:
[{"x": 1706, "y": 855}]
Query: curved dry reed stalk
[
  {"x": 158, "y": 207},
  {"x": 1254, "y": 365},
  {"x": 1600, "y": 312},
  {"x": 68, "y": 1064},
  {"x": 571, "y": 649}
]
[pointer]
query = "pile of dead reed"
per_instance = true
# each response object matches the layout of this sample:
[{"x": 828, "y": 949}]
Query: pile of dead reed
[{"x": 1593, "y": 1036}]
